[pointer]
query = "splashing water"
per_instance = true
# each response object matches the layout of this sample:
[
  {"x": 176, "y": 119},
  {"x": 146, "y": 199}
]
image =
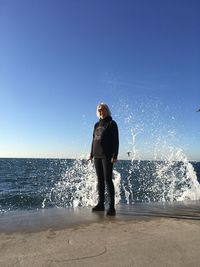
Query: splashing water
[
  {"x": 134, "y": 181},
  {"x": 177, "y": 177},
  {"x": 78, "y": 186},
  {"x": 159, "y": 181},
  {"x": 169, "y": 176}
]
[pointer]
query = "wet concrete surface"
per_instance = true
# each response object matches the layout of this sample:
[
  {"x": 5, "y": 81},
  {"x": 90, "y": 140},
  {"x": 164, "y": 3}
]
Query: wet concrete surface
[{"x": 59, "y": 218}]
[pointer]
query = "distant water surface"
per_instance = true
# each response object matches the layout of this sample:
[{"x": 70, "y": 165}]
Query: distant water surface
[{"x": 32, "y": 184}]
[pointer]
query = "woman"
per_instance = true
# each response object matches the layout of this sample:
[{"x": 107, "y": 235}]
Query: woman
[{"x": 104, "y": 150}]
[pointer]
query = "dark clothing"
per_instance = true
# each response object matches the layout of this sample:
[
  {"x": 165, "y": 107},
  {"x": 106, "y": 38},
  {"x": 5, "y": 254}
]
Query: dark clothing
[
  {"x": 104, "y": 169},
  {"x": 105, "y": 141},
  {"x": 105, "y": 145}
]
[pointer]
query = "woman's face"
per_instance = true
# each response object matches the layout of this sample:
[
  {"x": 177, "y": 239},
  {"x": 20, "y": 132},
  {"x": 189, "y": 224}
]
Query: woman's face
[{"x": 102, "y": 112}]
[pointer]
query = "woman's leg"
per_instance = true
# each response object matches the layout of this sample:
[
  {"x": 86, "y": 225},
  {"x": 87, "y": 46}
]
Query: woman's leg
[
  {"x": 108, "y": 172},
  {"x": 100, "y": 180}
]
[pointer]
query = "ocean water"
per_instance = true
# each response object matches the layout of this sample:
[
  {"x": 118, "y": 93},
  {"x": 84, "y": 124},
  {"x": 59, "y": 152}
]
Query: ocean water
[{"x": 32, "y": 184}]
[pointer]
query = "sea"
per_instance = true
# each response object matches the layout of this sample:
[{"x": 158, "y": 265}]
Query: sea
[
  {"x": 38, "y": 194},
  {"x": 33, "y": 184}
]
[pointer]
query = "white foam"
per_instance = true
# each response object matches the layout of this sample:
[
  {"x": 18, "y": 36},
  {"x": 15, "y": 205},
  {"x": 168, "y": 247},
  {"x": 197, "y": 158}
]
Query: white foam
[
  {"x": 78, "y": 187},
  {"x": 148, "y": 132}
]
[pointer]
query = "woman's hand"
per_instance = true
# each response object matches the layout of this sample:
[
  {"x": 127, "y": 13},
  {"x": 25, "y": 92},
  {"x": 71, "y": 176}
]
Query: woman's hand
[
  {"x": 113, "y": 160},
  {"x": 90, "y": 158}
]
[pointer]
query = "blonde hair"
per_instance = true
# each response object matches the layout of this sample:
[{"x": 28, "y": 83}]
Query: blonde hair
[{"x": 105, "y": 106}]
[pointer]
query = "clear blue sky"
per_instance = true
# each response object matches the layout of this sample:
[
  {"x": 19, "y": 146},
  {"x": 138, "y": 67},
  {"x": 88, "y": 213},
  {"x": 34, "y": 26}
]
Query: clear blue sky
[{"x": 59, "y": 59}]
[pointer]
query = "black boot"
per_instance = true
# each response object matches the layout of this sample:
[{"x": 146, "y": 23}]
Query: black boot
[
  {"x": 98, "y": 207},
  {"x": 111, "y": 211}
]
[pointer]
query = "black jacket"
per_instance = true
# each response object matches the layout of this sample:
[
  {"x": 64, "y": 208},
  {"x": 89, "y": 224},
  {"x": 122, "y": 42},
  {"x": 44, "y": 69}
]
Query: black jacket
[{"x": 105, "y": 142}]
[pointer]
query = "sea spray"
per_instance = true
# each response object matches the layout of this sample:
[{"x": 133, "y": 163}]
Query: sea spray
[
  {"x": 144, "y": 132},
  {"x": 169, "y": 176},
  {"x": 158, "y": 181},
  {"x": 78, "y": 186},
  {"x": 46, "y": 183}
]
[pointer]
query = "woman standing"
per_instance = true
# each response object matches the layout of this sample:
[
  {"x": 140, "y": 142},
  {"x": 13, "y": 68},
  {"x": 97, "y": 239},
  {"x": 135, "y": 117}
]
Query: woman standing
[{"x": 104, "y": 150}]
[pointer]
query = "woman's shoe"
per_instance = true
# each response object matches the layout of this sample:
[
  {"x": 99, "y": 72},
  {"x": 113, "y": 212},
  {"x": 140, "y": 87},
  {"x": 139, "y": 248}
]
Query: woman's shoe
[
  {"x": 98, "y": 207},
  {"x": 111, "y": 212}
]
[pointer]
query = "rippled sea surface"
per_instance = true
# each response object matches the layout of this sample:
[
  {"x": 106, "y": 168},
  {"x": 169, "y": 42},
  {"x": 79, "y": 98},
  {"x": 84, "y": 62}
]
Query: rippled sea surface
[{"x": 31, "y": 184}]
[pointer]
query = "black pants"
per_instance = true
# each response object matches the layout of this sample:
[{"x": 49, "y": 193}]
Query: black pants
[{"x": 104, "y": 170}]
